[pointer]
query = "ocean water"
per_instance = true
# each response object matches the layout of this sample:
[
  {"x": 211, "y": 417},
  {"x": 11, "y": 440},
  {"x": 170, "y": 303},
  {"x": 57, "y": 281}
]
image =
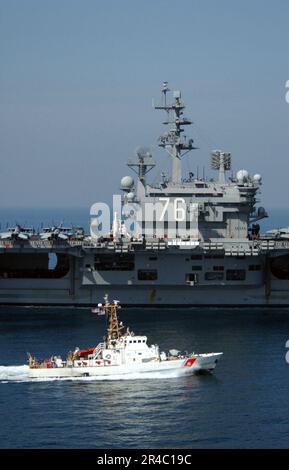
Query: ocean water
[{"x": 244, "y": 404}]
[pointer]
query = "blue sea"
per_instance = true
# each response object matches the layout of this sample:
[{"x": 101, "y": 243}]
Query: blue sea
[{"x": 244, "y": 404}]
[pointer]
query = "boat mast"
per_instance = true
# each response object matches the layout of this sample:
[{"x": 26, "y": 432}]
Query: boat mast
[
  {"x": 114, "y": 326},
  {"x": 172, "y": 141}
]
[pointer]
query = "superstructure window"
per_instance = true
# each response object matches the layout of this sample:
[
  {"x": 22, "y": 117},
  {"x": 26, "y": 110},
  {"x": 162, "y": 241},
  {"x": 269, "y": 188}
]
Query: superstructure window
[
  {"x": 236, "y": 275},
  {"x": 147, "y": 274}
]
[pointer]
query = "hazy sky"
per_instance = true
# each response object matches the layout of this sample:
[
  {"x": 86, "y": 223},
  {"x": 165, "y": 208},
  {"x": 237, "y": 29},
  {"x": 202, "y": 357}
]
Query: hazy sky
[{"x": 77, "y": 78}]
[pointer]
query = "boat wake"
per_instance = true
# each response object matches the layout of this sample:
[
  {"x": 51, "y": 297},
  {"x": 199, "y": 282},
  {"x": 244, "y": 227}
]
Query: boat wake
[
  {"x": 19, "y": 374},
  {"x": 13, "y": 373}
]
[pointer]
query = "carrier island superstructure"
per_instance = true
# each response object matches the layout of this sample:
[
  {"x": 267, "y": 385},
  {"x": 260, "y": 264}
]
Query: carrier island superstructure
[{"x": 212, "y": 255}]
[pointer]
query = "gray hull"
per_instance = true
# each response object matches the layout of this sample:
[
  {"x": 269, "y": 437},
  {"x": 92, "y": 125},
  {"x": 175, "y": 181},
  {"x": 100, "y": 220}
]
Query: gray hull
[
  {"x": 78, "y": 281},
  {"x": 146, "y": 296}
]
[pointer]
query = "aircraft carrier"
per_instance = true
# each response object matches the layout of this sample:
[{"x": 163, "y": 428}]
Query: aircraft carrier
[{"x": 183, "y": 241}]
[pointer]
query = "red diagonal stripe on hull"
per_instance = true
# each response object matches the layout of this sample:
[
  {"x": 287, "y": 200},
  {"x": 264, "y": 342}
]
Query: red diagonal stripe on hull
[{"x": 190, "y": 362}]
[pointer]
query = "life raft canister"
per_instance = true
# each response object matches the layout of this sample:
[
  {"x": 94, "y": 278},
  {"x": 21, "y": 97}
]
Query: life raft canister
[{"x": 85, "y": 352}]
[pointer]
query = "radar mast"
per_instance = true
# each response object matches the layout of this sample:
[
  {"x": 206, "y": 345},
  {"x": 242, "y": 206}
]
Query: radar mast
[
  {"x": 114, "y": 326},
  {"x": 172, "y": 141}
]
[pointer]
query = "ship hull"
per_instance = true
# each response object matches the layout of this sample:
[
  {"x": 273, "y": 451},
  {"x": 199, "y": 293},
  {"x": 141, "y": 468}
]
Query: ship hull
[
  {"x": 159, "y": 297},
  {"x": 81, "y": 279},
  {"x": 203, "y": 363}
]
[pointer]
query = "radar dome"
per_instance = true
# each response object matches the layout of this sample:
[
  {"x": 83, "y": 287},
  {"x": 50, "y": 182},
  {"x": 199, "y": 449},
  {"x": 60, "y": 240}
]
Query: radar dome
[
  {"x": 126, "y": 183},
  {"x": 130, "y": 196},
  {"x": 242, "y": 176},
  {"x": 257, "y": 178}
]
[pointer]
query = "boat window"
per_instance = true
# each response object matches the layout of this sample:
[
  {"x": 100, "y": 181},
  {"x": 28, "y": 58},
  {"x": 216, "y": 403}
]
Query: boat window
[
  {"x": 147, "y": 274},
  {"x": 236, "y": 275}
]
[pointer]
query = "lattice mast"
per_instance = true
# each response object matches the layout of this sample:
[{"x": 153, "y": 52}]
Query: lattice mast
[
  {"x": 172, "y": 141},
  {"x": 114, "y": 326}
]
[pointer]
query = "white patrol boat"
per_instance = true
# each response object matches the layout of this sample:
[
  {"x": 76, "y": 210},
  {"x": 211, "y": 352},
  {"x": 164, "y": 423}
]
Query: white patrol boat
[{"x": 122, "y": 352}]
